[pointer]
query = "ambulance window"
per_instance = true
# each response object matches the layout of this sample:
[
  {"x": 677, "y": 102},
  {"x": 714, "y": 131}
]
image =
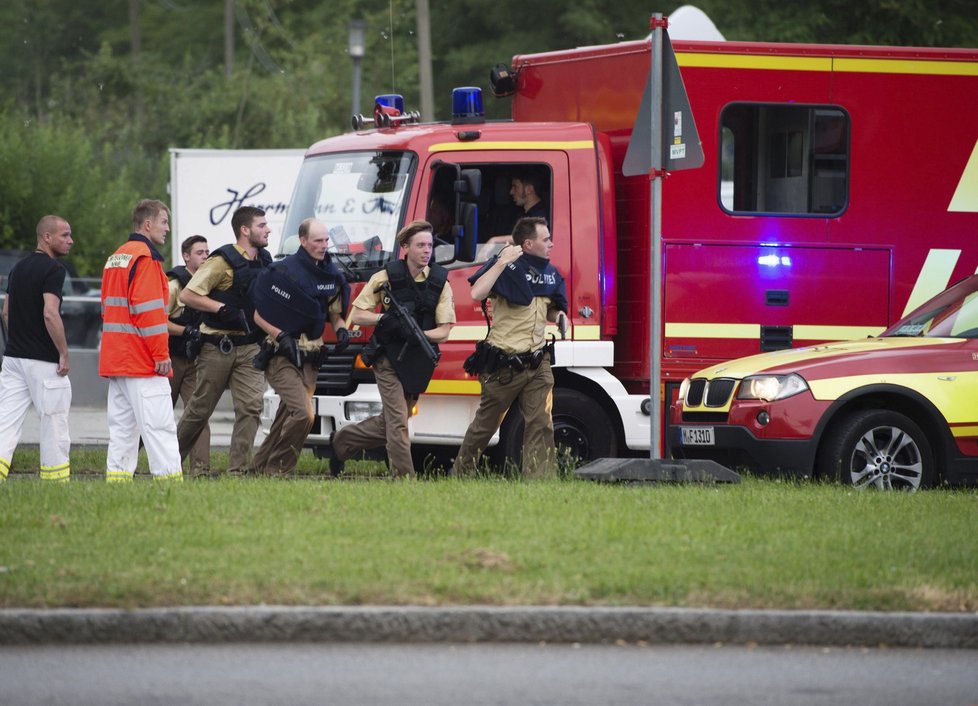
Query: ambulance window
[{"x": 784, "y": 159}]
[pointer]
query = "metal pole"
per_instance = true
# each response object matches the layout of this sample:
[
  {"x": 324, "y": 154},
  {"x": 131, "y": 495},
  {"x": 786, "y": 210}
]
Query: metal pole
[
  {"x": 655, "y": 223},
  {"x": 424, "y": 61},
  {"x": 356, "y": 85}
]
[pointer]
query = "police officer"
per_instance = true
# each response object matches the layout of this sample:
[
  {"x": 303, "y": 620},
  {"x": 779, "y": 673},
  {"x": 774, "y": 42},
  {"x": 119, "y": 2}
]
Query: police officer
[
  {"x": 526, "y": 292},
  {"x": 184, "y": 329},
  {"x": 401, "y": 370},
  {"x": 293, "y": 300},
  {"x": 35, "y": 364},
  {"x": 222, "y": 289}
]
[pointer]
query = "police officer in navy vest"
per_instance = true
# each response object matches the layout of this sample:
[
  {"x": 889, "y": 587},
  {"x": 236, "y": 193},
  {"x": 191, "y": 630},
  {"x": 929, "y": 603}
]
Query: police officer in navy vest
[
  {"x": 222, "y": 290},
  {"x": 294, "y": 298},
  {"x": 423, "y": 289},
  {"x": 526, "y": 292},
  {"x": 184, "y": 329}
]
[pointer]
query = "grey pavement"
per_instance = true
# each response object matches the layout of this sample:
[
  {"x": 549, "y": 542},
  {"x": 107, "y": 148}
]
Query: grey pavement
[{"x": 88, "y": 425}]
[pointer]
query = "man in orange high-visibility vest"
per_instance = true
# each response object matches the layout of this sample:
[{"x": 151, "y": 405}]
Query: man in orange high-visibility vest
[{"x": 135, "y": 354}]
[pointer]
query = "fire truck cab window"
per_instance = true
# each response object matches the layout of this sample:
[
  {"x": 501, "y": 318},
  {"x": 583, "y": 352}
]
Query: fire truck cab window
[
  {"x": 784, "y": 159},
  {"x": 497, "y": 209}
]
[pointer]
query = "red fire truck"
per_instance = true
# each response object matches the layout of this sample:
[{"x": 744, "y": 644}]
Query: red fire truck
[{"x": 839, "y": 191}]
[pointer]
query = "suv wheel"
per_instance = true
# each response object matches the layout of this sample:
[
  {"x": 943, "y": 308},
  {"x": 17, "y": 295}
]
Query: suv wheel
[{"x": 880, "y": 449}]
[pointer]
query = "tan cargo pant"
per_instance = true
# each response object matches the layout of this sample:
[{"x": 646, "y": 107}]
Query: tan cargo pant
[
  {"x": 279, "y": 452},
  {"x": 389, "y": 428},
  {"x": 182, "y": 386},
  {"x": 217, "y": 372},
  {"x": 533, "y": 389}
]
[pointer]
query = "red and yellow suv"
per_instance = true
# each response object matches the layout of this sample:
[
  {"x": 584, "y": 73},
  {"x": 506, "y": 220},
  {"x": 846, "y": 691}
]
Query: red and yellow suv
[{"x": 898, "y": 411}]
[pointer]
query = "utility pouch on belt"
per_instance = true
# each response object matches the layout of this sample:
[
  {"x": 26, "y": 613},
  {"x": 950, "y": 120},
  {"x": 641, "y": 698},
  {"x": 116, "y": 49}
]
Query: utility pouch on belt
[
  {"x": 265, "y": 354},
  {"x": 192, "y": 343},
  {"x": 478, "y": 362}
]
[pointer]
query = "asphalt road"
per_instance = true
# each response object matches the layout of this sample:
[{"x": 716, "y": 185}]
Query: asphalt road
[{"x": 478, "y": 674}]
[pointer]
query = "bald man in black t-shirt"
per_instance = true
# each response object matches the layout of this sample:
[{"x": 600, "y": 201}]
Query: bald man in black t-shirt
[{"x": 35, "y": 363}]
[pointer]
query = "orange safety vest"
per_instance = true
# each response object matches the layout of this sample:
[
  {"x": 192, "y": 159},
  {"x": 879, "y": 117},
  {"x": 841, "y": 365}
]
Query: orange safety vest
[{"x": 134, "y": 312}]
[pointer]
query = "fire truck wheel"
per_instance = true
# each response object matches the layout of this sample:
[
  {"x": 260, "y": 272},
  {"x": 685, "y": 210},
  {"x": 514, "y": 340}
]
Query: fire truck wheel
[
  {"x": 878, "y": 449},
  {"x": 582, "y": 431}
]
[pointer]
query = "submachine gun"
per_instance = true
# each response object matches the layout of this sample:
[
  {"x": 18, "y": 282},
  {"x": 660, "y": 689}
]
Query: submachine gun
[{"x": 411, "y": 328}]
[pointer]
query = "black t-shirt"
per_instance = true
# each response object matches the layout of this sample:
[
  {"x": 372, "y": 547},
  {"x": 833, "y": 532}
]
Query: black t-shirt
[
  {"x": 538, "y": 210},
  {"x": 29, "y": 280}
]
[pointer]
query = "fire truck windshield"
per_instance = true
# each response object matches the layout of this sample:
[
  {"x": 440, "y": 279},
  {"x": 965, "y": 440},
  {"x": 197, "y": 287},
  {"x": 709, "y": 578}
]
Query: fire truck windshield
[{"x": 361, "y": 197}]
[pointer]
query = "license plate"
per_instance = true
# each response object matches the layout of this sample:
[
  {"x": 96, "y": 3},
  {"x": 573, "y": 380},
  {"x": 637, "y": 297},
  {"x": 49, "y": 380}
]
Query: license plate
[{"x": 697, "y": 436}]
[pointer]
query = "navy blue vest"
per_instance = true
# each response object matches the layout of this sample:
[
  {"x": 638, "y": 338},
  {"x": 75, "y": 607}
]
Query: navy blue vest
[{"x": 294, "y": 294}]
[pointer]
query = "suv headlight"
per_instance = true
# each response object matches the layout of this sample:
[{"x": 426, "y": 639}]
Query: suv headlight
[
  {"x": 683, "y": 389},
  {"x": 771, "y": 387}
]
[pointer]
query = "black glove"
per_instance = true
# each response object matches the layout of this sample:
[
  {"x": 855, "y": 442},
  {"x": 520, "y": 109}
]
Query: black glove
[
  {"x": 288, "y": 347},
  {"x": 342, "y": 340},
  {"x": 391, "y": 327},
  {"x": 232, "y": 317}
]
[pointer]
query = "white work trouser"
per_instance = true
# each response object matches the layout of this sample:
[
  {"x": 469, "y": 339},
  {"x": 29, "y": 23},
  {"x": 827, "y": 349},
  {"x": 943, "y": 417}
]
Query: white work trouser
[
  {"x": 141, "y": 407},
  {"x": 25, "y": 382}
]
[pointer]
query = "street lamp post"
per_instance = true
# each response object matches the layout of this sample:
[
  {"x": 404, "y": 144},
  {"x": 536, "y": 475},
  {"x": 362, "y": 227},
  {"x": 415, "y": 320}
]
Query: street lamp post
[{"x": 357, "y": 50}]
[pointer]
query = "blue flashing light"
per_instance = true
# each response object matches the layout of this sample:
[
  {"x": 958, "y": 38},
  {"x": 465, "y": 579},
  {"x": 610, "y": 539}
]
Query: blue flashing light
[
  {"x": 391, "y": 100},
  {"x": 467, "y": 104},
  {"x": 774, "y": 260}
]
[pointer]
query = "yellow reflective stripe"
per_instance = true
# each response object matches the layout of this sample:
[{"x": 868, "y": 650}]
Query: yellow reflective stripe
[
  {"x": 834, "y": 333},
  {"x": 61, "y": 475},
  {"x": 56, "y": 473},
  {"x": 933, "y": 278},
  {"x": 583, "y": 333},
  {"x": 802, "y": 332},
  {"x": 782, "y": 62},
  {"x": 750, "y": 61},
  {"x": 4, "y": 467},
  {"x": 467, "y": 333},
  {"x": 964, "y": 431},
  {"x": 684, "y": 330},
  {"x": 175, "y": 477},
  {"x": 511, "y": 145},
  {"x": 576, "y": 333},
  {"x": 117, "y": 476},
  {"x": 906, "y": 66},
  {"x": 454, "y": 387},
  {"x": 965, "y": 199}
]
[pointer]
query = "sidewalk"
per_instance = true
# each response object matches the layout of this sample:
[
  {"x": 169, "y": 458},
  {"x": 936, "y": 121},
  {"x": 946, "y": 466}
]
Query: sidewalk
[{"x": 88, "y": 427}]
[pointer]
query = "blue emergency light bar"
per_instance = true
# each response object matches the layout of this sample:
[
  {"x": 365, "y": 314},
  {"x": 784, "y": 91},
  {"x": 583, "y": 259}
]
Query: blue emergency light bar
[
  {"x": 467, "y": 105},
  {"x": 391, "y": 100}
]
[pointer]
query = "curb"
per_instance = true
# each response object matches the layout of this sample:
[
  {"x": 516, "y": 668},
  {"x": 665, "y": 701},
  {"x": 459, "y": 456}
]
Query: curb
[{"x": 487, "y": 624}]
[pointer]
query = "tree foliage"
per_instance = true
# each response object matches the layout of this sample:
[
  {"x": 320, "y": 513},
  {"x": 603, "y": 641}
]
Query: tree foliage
[{"x": 86, "y": 122}]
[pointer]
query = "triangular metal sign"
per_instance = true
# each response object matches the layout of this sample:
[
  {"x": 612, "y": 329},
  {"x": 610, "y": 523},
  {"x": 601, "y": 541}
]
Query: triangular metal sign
[{"x": 681, "y": 148}]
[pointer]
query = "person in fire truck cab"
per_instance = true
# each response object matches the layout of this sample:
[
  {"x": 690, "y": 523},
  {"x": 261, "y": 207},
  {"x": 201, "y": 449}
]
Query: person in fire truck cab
[
  {"x": 184, "y": 328},
  {"x": 526, "y": 292},
  {"x": 401, "y": 367},
  {"x": 294, "y": 298}
]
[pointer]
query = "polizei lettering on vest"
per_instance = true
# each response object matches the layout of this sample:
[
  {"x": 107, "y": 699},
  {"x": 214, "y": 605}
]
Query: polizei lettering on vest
[
  {"x": 281, "y": 292},
  {"x": 538, "y": 278}
]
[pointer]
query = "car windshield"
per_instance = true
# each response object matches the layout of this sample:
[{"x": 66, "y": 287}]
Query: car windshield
[
  {"x": 361, "y": 197},
  {"x": 951, "y": 314}
]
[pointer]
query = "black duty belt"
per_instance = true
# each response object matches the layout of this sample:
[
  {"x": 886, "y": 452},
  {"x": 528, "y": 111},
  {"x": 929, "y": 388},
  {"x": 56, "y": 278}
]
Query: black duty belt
[{"x": 226, "y": 343}]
